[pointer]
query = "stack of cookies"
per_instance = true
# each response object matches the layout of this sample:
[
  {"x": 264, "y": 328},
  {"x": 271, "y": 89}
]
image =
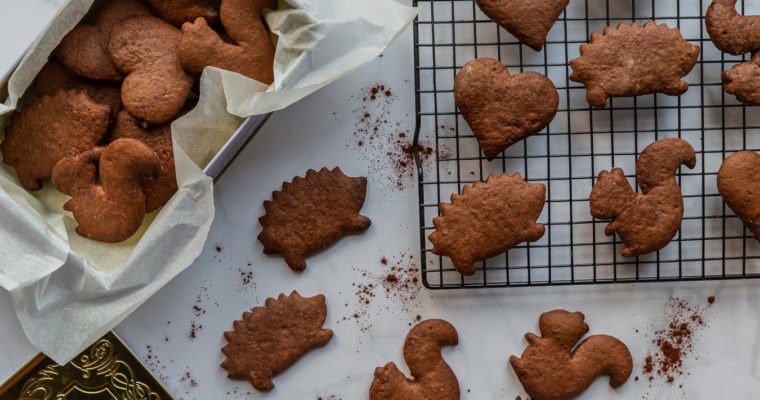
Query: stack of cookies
[{"x": 100, "y": 125}]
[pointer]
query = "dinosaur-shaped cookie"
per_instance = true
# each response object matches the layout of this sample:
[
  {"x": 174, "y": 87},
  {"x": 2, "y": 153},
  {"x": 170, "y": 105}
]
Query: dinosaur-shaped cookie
[
  {"x": 433, "y": 379},
  {"x": 649, "y": 221},
  {"x": 552, "y": 367},
  {"x": 633, "y": 60},
  {"x": 270, "y": 339},
  {"x": 487, "y": 219}
]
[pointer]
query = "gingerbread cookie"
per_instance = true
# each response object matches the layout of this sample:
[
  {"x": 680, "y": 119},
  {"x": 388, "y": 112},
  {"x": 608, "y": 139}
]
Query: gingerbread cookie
[
  {"x": 552, "y": 367},
  {"x": 730, "y": 31},
  {"x": 84, "y": 50},
  {"x": 528, "y": 20},
  {"x": 743, "y": 81},
  {"x": 739, "y": 184},
  {"x": 632, "y": 60},
  {"x": 159, "y": 138},
  {"x": 54, "y": 77},
  {"x": 49, "y": 128},
  {"x": 251, "y": 54},
  {"x": 502, "y": 109},
  {"x": 105, "y": 185},
  {"x": 311, "y": 213},
  {"x": 487, "y": 219},
  {"x": 649, "y": 221},
  {"x": 178, "y": 12},
  {"x": 270, "y": 339},
  {"x": 156, "y": 86},
  {"x": 433, "y": 379}
]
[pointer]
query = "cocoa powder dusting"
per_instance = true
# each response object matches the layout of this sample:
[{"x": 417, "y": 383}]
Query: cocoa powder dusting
[
  {"x": 674, "y": 343},
  {"x": 386, "y": 145}
]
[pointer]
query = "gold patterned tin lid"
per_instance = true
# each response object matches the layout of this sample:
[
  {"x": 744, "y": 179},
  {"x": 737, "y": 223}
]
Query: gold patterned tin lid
[{"x": 106, "y": 370}]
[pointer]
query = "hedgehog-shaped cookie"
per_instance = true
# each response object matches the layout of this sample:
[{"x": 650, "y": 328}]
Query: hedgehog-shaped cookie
[
  {"x": 270, "y": 339},
  {"x": 487, "y": 219},
  {"x": 311, "y": 213},
  {"x": 634, "y": 60}
]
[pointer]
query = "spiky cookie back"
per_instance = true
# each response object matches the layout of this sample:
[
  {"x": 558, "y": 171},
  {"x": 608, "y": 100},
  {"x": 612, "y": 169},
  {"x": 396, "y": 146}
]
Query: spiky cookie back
[
  {"x": 269, "y": 339},
  {"x": 487, "y": 219},
  {"x": 633, "y": 60},
  {"x": 311, "y": 213}
]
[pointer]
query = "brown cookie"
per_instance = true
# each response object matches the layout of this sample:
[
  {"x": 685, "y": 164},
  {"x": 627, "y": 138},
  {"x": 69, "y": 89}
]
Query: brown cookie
[
  {"x": 84, "y": 50},
  {"x": 178, "y": 12},
  {"x": 646, "y": 222},
  {"x": 156, "y": 86},
  {"x": 743, "y": 81},
  {"x": 553, "y": 368},
  {"x": 528, "y": 20},
  {"x": 730, "y": 31},
  {"x": 487, "y": 219},
  {"x": 54, "y": 77},
  {"x": 270, "y": 339},
  {"x": 500, "y": 108},
  {"x": 433, "y": 379},
  {"x": 105, "y": 185},
  {"x": 159, "y": 138},
  {"x": 251, "y": 54},
  {"x": 49, "y": 128},
  {"x": 632, "y": 60},
  {"x": 739, "y": 184},
  {"x": 311, "y": 213}
]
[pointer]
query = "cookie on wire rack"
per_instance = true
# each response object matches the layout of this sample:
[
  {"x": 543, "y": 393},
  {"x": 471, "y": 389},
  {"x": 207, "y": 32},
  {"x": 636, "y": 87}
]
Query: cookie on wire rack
[
  {"x": 487, "y": 219},
  {"x": 528, "y": 20},
  {"x": 634, "y": 60}
]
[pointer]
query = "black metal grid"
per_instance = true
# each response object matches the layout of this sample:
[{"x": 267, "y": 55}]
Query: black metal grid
[{"x": 580, "y": 142}]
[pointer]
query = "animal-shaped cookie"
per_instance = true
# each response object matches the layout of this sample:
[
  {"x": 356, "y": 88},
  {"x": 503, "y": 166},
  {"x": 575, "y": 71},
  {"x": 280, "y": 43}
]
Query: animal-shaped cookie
[
  {"x": 432, "y": 378},
  {"x": 311, "y": 213},
  {"x": 502, "y": 109},
  {"x": 84, "y": 50},
  {"x": 633, "y": 60},
  {"x": 251, "y": 54},
  {"x": 552, "y": 367},
  {"x": 270, "y": 339},
  {"x": 649, "y": 221},
  {"x": 178, "y": 12},
  {"x": 105, "y": 185},
  {"x": 528, "y": 20},
  {"x": 145, "y": 49},
  {"x": 159, "y": 138},
  {"x": 487, "y": 219},
  {"x": 49, "y": 128},
  {"x": 743, "y": 81},
  {"x": 739, "y": 184},
  {"x": 730, "y": 31},
  {"x": 54, "y": 77}
]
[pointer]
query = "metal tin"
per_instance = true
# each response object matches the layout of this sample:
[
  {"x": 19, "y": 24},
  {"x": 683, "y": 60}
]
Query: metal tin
[{"x": 106, "y": 370}]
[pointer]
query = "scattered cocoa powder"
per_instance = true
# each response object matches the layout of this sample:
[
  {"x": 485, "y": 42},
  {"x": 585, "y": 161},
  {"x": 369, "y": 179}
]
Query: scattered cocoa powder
[
  {"x": 674, "y": 343},
  {"x": 187, "y": 378},
  {"x": 199, "y": 310},
  {"x": 330, "y": 397},
  {"x": 387, "y": 146}
]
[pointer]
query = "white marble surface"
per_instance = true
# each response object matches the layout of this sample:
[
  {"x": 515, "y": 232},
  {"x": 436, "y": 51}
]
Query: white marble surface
[{"x": 323, "y": 130}]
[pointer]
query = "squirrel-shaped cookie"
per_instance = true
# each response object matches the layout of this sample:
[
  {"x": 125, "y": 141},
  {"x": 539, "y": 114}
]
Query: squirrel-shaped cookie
[
  {"x": 433, "y": 378},
  {"x": 552, "y": 367},
  {"x": 649, "y": 221}
]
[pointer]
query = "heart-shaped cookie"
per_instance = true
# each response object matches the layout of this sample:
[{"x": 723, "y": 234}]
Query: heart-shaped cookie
[
  {"x": 528, "y": 20},
  {"x": 739, "y": 184},
  {"x": 500, "y": 108}
]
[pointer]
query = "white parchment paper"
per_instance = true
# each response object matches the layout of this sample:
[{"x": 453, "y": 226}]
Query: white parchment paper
[{"x": 68, "y": 291}]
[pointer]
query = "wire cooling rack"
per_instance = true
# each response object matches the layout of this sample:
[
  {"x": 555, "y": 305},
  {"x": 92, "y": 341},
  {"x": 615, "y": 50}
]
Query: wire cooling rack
[{"x": 579, "y": 143}]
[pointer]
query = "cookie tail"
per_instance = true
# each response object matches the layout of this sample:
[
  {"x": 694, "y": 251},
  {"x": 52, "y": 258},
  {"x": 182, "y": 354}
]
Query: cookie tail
[
  {"x": 658, "y": 163},
  {"x": 604, "y": 355}
]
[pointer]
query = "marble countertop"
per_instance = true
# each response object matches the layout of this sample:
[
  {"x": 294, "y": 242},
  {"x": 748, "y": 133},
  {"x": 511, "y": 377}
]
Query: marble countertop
[{"x": 178, "y": 332}]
